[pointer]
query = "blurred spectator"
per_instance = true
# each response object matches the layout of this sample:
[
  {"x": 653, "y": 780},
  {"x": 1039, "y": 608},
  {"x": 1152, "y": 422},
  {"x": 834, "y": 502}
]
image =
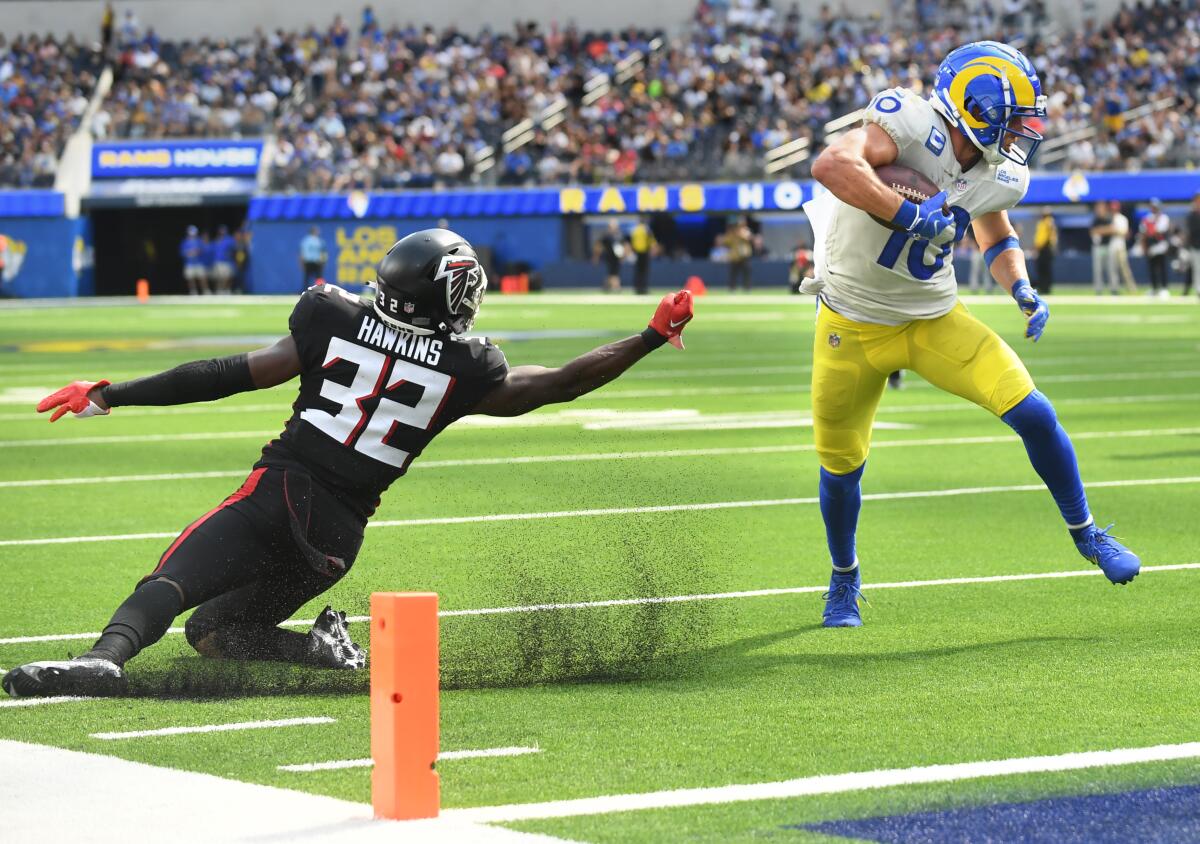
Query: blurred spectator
[
  {"x": 610, "y": 249},
  {"x": 1118, "y": 248},
  {"x": 644, "y": 246},
  {"x": 1045, "y": 241},
  {"x": 241, "y": 258},
  {"x": 1193, "y": 245},
  {"x": 1154, "y": 234},
  {"x": 191, "y": 250},
  {"x": 107, "y": 20},
  {"x": 1101, "y": 233},
  {"x": 223, "y": 264},
  {"x": 739, "y": 239},
  {"x": 802, "y": 265},
  {"x": 978, "y": 274},
  {"x": 313, "y": 256}
]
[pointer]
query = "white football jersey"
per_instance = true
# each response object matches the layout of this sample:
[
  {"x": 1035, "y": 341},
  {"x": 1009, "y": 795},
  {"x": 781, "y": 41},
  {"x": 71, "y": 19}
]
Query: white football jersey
[{"x": 873, "y": 274}]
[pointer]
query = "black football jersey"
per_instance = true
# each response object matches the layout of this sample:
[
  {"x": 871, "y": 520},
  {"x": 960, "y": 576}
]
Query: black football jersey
[{"x": 373, "y": 396}]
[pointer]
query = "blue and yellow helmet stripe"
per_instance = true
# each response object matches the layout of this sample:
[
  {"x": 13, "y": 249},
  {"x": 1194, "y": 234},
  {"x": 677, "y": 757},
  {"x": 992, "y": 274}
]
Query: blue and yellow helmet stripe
[{"x": 980, "y": 88}]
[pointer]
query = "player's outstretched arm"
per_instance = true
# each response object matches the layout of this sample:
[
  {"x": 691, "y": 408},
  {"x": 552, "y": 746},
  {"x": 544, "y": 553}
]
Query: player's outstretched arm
[
  {"x": 1002, "y": 253},
  {"x": 526, "y": 388},
  {"x": 202, "y": 380}
]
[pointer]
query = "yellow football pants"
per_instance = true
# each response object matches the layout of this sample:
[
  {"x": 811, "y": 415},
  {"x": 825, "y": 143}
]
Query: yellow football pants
[{"x": 852, "y": 360}]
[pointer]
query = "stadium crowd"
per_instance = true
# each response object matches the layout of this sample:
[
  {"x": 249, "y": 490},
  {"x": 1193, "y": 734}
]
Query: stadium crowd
[
  {"x": 45, "y": 85},
  {"x": 376, "y": 106}
]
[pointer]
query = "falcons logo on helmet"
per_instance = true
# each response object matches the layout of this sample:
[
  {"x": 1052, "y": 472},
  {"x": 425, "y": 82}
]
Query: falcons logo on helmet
[{"x": 462, "y": 275}]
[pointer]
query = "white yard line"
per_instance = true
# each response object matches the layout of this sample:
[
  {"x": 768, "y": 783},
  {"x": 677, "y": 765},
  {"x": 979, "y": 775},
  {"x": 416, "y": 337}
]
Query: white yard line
[
  {"x": 216, "y": 728},
  {"x": 825, "y": 784},
  {"x": 41, "y": 701},
  {"x": 445, "y": 756},
  {"x": 140, "y": 438},
  {"x": 670, "y": 599},
  {"x": 628, "y": 511},
  {"x": 616, "y": 455}
]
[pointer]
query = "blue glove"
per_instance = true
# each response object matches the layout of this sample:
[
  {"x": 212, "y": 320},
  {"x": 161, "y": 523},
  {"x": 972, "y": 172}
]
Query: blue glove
[
  {"x": 1033, "y": 306},
  {"x": 927, "y": 221}
]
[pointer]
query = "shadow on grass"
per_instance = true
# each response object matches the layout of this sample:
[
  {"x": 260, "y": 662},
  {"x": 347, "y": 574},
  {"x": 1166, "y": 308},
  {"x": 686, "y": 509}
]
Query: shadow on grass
[{"x": 610, "y": 646}]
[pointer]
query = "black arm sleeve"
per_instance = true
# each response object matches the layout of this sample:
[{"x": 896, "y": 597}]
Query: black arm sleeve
[{"x": 202, "y": 380}]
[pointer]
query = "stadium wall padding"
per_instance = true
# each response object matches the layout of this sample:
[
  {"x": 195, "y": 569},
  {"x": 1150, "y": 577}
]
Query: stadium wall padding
[
  {"x": 355, "y": 247},
  {"x": 47, "y": 257}
]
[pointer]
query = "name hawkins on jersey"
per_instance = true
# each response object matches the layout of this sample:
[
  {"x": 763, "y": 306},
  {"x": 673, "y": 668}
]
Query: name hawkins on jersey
[{"x": 423, "y": 349}]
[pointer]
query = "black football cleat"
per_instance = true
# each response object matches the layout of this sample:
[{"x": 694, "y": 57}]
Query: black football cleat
[
  {"x": 330, "y": 645},
  {"x": 88, "y": 676}
]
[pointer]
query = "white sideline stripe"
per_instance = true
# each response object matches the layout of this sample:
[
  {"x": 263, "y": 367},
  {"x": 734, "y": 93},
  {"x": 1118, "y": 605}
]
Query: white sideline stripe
[
  {"x": 790, "y": 590},
  {"x": 446, "y": 756},
  {"x": 616, "y": 455},
  {"x": 669, "y": 599},
  {"x": 39, "y": 701},
  {"x": 202, "y": 808},
  {"x": 216, "y": 728},
  {"x": 825, "y": 784},
  {"x": 627, "y": 511}
]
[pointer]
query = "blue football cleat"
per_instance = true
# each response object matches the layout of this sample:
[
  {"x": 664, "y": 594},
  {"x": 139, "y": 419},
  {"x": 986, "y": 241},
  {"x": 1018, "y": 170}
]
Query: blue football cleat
[
  {"x": 841, "y": 601},
  {"x": 1119, "y": 564}
]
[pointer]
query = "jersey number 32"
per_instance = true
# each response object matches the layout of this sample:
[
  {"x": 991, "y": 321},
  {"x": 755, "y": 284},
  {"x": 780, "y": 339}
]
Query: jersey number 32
[{"x": 371, "y": 434}]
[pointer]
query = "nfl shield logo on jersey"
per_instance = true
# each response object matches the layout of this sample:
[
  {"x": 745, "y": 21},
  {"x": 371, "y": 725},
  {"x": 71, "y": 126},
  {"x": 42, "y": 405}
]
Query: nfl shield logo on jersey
[{"x": 835, "y": 340}]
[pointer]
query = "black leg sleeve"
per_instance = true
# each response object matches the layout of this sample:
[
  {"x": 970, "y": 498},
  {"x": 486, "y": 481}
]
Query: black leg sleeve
[{"x": 139, "y": 622}]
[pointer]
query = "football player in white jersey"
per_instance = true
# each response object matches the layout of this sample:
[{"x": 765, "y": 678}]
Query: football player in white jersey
[{"x": 888, "y": 299}]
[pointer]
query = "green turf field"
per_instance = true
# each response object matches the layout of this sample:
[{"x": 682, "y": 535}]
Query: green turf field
[{"x": 652, "y": 697}]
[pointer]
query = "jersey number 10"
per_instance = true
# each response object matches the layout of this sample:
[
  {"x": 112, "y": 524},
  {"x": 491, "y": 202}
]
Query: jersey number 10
[
  {"x": 370, "y": 435},
  {"x": 917, "y": 267}
]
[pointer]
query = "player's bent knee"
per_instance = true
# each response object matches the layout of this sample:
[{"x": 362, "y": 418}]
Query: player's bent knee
[
  {"x": 200, "y": 633},
  {"x": 1032, "y": 414}
]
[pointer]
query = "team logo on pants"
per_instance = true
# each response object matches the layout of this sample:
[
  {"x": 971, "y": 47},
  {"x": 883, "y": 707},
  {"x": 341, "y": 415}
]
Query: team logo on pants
[{"x": 835, "y": 340}]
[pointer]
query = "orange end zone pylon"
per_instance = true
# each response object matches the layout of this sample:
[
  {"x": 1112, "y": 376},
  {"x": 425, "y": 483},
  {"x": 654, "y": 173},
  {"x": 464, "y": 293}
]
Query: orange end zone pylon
[{"x": 404, "y": 705}]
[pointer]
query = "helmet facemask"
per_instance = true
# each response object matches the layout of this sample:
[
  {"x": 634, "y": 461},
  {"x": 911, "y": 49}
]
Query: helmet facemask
[{"x": 1000, "y": 140}]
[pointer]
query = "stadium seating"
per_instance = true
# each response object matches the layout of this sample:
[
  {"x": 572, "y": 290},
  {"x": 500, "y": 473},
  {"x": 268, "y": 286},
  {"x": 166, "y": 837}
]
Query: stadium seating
[
  {"x": 366, "y": 106},
  {"x": 44, "y": 89}
]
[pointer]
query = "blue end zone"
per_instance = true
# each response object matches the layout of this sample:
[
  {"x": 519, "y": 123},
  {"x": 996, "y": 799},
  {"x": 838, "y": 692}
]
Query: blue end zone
[{"x": 1167, "y": 815}]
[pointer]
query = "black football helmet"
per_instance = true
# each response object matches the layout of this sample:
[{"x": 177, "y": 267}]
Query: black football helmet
[{"x": 430, "y": 281}]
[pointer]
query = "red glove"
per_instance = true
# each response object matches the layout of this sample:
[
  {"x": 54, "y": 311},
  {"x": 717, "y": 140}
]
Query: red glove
[
  {"x": 73, "y": 397},
  {"x": 674, "y": 312}
]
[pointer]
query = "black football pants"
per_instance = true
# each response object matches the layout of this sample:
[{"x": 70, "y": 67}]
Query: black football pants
[{"x": 244, "y": 565}]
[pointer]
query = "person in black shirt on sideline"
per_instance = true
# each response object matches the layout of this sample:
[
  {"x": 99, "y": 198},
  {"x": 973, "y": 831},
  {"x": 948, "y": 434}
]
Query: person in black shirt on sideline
[
  {"x": 1193, "y": 245},
  {"x": 378, "y": 381}
]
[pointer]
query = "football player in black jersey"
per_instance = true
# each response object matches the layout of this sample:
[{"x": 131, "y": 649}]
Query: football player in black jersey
[{"x": 377, "y": 383}]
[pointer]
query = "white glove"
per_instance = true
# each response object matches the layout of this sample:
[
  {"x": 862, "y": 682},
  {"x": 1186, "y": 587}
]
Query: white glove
[
  {"x": 812, "y": 286},
  {"x": 92, "y": 409}
]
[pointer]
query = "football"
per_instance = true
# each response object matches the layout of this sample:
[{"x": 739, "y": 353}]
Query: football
[{"x": 913, "y": 186}]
